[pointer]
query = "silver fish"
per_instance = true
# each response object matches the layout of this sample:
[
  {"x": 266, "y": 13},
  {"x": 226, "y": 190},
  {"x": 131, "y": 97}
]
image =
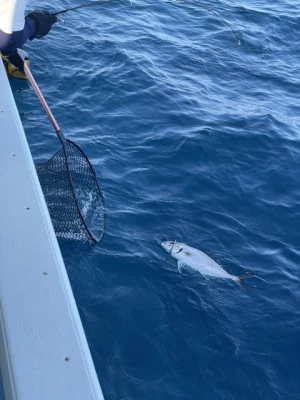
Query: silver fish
[{"x": 197, "y": 260}]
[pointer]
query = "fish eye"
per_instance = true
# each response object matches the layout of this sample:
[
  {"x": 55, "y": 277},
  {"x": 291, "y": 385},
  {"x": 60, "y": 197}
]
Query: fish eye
[{"x": 171, "y": 243}]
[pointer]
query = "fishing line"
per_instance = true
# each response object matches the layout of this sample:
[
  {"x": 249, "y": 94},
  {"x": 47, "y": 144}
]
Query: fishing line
[
  {"x": 211, "y": 10},
  {"x": 169, "y": 252},
  {"x": 218, "y": 16},
  {"x": 94, "y": 3}
]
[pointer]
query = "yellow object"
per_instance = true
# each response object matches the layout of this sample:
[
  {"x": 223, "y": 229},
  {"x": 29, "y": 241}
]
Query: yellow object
[{"x": 11, "y": 70}]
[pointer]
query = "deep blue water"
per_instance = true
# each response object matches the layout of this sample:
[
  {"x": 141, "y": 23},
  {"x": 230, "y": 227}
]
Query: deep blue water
[{"x": 193, "y": 138}]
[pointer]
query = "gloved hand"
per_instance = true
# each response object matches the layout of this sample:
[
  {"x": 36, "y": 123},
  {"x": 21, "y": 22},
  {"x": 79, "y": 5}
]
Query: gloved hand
[
  {"x": 16, "y": 58},
  {"x": 43, "y": 21}
]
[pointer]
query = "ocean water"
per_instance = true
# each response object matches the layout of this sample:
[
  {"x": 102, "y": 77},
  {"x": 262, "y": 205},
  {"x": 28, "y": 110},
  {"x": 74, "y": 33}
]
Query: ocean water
[{"x": 194, "y": 137}]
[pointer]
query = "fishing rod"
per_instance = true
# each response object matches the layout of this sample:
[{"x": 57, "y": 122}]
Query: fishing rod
[{"x": 94, "y": 3}]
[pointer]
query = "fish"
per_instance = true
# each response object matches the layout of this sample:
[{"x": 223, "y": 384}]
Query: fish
[{"x": 188, "y": 256}]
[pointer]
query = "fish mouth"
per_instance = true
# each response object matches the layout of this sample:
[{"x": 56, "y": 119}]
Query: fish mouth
[{"x": 165, "y": 245}]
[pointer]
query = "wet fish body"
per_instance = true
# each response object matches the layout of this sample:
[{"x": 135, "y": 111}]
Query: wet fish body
[{"x": 199, "y": 261}]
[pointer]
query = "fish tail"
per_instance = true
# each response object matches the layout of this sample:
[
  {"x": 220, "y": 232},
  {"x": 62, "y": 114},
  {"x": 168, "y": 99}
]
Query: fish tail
[{"x": 239, "y": 279}]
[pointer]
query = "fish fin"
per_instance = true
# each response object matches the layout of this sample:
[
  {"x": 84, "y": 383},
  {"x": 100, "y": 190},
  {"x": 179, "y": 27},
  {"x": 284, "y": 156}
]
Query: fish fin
[
  {"x": 241, "y": 277},
  {"x": 180, "y": 266}
]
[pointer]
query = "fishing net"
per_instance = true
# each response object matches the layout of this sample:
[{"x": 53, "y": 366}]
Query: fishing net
[{"x": 73, "y": 195}]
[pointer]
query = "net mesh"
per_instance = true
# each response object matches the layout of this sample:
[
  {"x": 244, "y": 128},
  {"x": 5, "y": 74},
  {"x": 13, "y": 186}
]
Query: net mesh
[{"x": 73, "y": 195}]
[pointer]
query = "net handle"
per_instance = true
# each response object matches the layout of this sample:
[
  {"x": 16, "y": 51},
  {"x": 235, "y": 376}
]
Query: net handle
[{"x": 43, "y": 102}]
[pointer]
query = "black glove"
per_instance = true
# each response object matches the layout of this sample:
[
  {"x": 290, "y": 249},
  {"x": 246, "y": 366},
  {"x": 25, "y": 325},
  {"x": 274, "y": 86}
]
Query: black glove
[
  {"x": 43, "y": 21},
  {"x": 14, "y": 58}
]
